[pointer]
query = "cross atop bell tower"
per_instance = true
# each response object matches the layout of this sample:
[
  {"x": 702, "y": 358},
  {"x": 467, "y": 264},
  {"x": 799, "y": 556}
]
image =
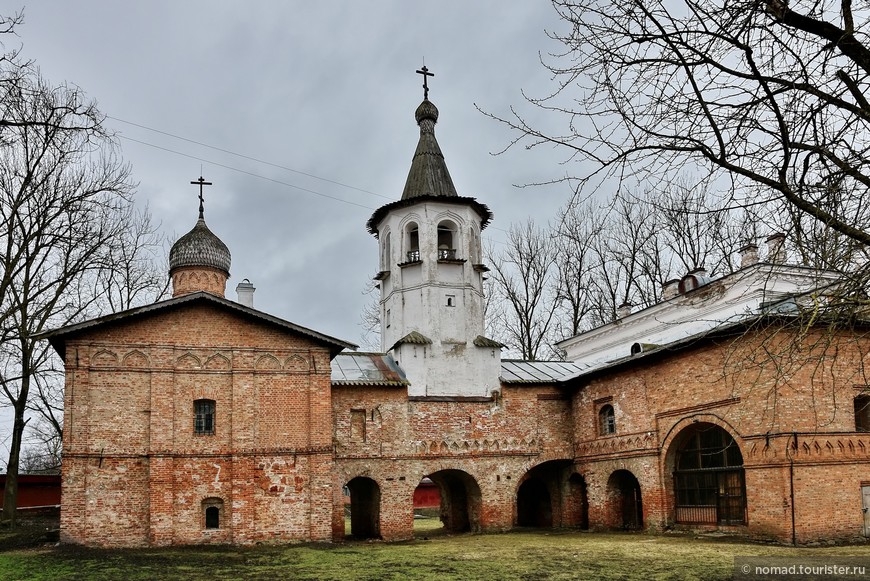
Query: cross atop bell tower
[{"x": 425, "y": 72}]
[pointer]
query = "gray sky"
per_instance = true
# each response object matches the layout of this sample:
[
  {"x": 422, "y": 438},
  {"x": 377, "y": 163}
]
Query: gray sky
[{"x": 325, "y": 88}]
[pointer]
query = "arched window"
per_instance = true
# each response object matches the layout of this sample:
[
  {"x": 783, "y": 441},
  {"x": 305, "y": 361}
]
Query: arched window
[
  {"x": 203, "y": 416},
  {"x": 447, "y": 240},
  {"x": 211, "y": 513},
  {"x": 385, "y": 258},
  {"x": 412, "y": 242},
  {"x": 606, "y": 420},
  {"x": 709, "y": 485}
]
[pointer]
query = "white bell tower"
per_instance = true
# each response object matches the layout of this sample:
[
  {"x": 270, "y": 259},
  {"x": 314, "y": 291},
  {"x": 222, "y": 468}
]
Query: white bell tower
[{"x": 431, "y": 277}]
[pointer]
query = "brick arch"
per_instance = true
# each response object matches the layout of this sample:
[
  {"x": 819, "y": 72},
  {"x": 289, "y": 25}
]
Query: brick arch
[
  {"x": 104, "y": 357},
  {"x": 624, "y": 501},
  {"x": 296, "y": 363},
  {"x": 188, "y": 361},
  {"x": 268, "y": 363},
  {"x": 135, "y": 358},
  {"x": 217, "y": 361},
  {"x": 679, "y": 427},
  {"x": 461, "y": 499},
  {"x": 542, "y": 495},
  {"x": 677, "y": 438},
  {"x": 365, "y": 507}
]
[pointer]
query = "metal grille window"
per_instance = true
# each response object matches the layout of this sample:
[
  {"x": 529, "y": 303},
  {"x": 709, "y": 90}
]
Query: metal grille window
[
  {"x": 709, "y": 484},
  {"x": 606, "y": 420},
  {"x": 203, "y": 416}
]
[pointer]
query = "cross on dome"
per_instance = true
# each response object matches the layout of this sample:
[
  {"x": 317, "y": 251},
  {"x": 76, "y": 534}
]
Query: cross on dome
[
  {"x": 425, "y": 72},
  {"x": 201, "y": 182}
]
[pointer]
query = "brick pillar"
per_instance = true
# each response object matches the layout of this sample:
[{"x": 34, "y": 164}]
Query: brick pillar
[
  {"x": 73, "y": 507},
  {"x": 161, "y": 496}
]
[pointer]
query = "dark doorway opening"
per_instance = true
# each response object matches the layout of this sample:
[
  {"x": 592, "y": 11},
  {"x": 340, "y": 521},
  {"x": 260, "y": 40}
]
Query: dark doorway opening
[
  {"x": 460, "y": 500},
  {"x": 579, "y": 502},
  {"x": 365, "y": 508},
  {"x": 625, "y": 502},
  {"x": 534, "y": 507}
]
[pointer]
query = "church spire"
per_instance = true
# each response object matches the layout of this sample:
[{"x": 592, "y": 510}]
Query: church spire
[{"x": 428, "y": 175}]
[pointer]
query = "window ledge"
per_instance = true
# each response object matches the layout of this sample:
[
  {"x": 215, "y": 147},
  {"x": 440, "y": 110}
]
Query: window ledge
[
  {"x": 452, "y": 261},
  {"x": 409, "y": 263}
]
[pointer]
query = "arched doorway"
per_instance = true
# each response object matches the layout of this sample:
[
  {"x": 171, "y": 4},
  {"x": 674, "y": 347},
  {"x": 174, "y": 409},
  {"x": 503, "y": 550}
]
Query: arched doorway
[
  {"x": 579, "y": 502},
  {"x": 709, "y": 483},
  {"x": 365, "y": 508},
  {"x": 534, "y": 507},
  {"x": 625, "y": 506},
  {"x": 546, "y": 496},
  {"x": 460, "y": 500}
]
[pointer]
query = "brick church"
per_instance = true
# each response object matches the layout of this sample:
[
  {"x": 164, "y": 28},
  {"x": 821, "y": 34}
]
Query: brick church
[{"x": 200, "y": 419}]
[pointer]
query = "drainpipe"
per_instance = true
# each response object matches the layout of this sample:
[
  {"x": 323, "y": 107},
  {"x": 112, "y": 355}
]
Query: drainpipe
[{"x": 791, "y": 488}]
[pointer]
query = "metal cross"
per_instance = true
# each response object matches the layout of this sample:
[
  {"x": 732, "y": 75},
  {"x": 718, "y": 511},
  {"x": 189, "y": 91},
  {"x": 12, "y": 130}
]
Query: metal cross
[
  {"x": 201, "y": 182},
  {"x": 425, "y": 72}
]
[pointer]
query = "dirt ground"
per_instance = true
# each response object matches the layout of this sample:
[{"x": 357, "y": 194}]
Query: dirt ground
[{"x": 34, "y": 528}]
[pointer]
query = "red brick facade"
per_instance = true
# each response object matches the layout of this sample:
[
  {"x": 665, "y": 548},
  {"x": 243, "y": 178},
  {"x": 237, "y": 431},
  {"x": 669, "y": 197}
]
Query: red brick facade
[
  {"x": 286, "y": 443},
  {"x": 134, "y": 471}
]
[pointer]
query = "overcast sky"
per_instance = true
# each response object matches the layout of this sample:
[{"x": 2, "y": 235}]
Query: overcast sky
[{"x": 327, "y": 89}]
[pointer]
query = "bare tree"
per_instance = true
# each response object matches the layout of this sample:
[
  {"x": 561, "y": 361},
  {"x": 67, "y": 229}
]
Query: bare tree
[
  {"x": 764, "y": 98},
  {"x": 65, "y": 200},
  {"x": 370, "y": 318},
  {"x": 576, "y": 234},
  {"x": 133, "y": 269},
  {"x": 522, "y": 277}
]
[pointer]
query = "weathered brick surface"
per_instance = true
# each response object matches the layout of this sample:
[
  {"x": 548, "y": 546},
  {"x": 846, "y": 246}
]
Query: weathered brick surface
[
  {"x": 765, "y": 390},
  {"x": 135, "y": 473},
  {"x": 286, "y": 443}
]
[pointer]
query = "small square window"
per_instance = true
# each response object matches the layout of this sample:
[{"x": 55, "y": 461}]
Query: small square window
[
  {"x": 211, "y": 513},
  {"x": 203, "y": 416}
]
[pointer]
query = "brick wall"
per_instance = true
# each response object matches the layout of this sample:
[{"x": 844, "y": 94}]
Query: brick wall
[
  {"x": 135, "y": 473},
  {"x": 478, "y": 451},
  {"x": 763, "y": 389}
]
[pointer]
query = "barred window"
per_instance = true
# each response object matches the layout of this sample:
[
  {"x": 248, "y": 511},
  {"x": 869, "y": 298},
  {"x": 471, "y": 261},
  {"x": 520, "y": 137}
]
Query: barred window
[{"x": 203, "y": 416}]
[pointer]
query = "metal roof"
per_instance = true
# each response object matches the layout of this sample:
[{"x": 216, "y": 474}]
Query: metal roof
[
  {"x": 516, "y": 371},
  {"x": 367, "y": 369}
]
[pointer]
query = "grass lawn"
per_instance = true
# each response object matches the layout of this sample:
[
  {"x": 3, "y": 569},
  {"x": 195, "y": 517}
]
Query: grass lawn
[{"x": 530, "y": 554}]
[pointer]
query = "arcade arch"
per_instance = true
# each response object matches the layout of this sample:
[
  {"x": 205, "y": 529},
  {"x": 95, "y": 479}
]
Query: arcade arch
[
  {"x": 365, "y": 508},
  {"x": 708, "y": 482},
  {"x": 460, "y": 497},
  {"x": 551, "y": 494},
  {"x": 624, "y": 505}
]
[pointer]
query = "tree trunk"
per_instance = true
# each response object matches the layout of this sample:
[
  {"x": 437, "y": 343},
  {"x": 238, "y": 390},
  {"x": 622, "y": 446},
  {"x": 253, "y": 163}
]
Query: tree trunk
[{"x": 10, "y": 493}]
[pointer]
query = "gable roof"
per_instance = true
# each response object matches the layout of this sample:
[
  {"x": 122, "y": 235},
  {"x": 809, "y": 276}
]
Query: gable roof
[{"x": 58, "y": 337}]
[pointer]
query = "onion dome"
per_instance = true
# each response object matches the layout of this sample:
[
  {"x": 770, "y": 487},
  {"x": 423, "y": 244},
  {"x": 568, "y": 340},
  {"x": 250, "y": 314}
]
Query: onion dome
[{"x": 200, "y": 247}]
